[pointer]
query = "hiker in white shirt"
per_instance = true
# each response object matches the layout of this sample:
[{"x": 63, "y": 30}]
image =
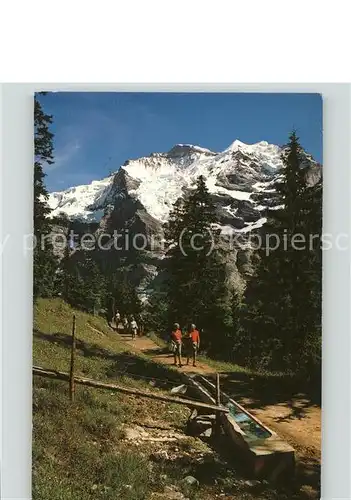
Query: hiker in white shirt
[
  {"x": 117, "y": 320},
  {"x": 133, "y": 327}
]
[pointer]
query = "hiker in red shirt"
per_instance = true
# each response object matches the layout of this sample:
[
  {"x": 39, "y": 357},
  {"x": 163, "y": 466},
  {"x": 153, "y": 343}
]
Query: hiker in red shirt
[
  {"x": 176, "y": 341},
  {"x": 193, "y": 340}
]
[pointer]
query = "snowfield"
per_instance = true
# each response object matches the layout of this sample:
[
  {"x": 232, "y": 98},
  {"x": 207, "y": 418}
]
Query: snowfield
[
  {"x": 74, "y": 202},
  {"x": 163, "y": 178},
  {"x": 157, "y": 181}
]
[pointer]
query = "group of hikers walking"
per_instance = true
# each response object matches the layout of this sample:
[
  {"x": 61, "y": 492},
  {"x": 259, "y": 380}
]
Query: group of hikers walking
[
  {"x": 190, "y": 341},
  {"x": 129, "y": 325},
  {"x": 182, "y": 343}
]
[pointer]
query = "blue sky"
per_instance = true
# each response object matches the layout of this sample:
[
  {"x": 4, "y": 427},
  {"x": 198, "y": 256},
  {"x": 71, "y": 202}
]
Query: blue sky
[{"x": 96, "y": 132}]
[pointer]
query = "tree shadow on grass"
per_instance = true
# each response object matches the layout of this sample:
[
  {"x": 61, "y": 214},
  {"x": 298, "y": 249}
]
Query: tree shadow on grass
[
  {"x": 123, "y": 363},
  {"x": 135, "y": 366},
  {"x": 84, "y": 348},
  {"x": 158, "y": 352}
]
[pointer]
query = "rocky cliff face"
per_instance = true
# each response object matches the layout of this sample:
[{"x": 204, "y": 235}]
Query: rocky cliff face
[{"x": 138, "y": 198}]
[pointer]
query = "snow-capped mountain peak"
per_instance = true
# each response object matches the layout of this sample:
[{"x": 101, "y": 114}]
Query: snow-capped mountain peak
[
  {"x": 234, "y": 146},
  {"x": 158, "y": 180},
  {"x": 183, "y": 149}
]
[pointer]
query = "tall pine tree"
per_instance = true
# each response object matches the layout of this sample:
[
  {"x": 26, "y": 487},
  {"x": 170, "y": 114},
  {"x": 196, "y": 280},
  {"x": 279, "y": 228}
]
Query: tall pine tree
[
  {"x": 282, "y": 302},
  {"x": 45, "y": 263}
]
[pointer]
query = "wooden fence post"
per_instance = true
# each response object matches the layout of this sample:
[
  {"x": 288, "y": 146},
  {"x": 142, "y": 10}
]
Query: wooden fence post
[
  {"x": 218, "y": 391},
  {"x": 73, "y": 355},
  {"x": 218, "y": 403}
]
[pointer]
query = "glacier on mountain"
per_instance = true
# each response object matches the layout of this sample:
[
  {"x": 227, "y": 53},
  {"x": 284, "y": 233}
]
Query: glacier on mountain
[
  {"x": 161, "y": 178},
  {"x": 142, "y": 191}
]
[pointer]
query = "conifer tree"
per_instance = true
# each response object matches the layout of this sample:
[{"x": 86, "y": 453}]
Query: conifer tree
[
  {"x": 45, "y": 263},
  {"x": 308, "y": 338},
  {"x": 157, "y": 314},
  {"x": 43, "y": 153},
  {"x": 121, "y": 295},
  {"x": 279, "y": 298},
  {"x": 84, "y": 285}
]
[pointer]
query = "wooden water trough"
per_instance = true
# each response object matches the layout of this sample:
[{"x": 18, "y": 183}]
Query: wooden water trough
[{"x": 265, "y": 453}]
